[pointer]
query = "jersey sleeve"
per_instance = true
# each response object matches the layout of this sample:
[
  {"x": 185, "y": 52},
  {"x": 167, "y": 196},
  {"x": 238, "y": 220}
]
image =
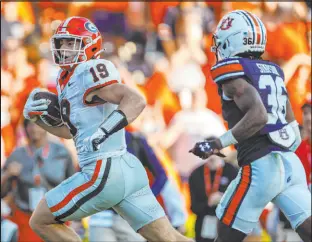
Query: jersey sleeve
[
  {"x": 226, "y": 70},
  {"x": 97, "y": 74}
]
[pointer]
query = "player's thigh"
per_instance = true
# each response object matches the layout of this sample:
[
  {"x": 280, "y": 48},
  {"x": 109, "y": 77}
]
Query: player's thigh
[
  {"x": 294, "y": 170},
  {"x": 97, "y": 187},
  {"x": 295, "y": 199},
  {"x": 42, "y": 215},
  {"x": 134, "y": 174},
  {"x": 139, "y": 206},
  {"x": 254, "y": 187}
]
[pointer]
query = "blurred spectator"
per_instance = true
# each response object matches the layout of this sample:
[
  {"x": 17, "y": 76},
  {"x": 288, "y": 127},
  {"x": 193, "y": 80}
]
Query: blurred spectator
[
  {"x": 183, "y": 28},
  {"x": 9, "y": 231},
  {"x": 304, "y": 150},
  {"x": 29, "y": 172},
  {"x": 194, "y": 122},
  {"x": 137, "y": 46},
  {"x": 207, "y": 183}
]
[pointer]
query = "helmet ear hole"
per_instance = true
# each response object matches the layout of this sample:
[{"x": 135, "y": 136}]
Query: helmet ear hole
[
  {"x": 94, "y": 49},
  {"x": 224, "y": 46}
]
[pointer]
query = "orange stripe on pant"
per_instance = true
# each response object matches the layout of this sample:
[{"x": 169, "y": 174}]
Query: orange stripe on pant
[
  {"x": 238, "y": 196},
  {"x": 226, "y": 69},
  {"x": 79, "y": 189}
]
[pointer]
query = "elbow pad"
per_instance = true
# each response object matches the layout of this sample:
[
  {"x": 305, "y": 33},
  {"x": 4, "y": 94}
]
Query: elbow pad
[{"x": 295, "y": 126}]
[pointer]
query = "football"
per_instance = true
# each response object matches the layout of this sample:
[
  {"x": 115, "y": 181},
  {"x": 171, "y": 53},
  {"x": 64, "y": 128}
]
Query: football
[{"x": 53, "y": 118}]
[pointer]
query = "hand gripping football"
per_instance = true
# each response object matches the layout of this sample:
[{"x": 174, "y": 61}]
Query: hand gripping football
[{"x": 53, "y": 118}]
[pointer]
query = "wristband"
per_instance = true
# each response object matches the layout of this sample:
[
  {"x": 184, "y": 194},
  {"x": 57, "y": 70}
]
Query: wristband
[
  {"x": 227, "y": 139},
  {"x": 116, "y": 121}
]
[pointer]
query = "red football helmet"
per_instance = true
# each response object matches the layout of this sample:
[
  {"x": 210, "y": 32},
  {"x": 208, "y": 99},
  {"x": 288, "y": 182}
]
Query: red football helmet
[{"x": 83, "y": 42}]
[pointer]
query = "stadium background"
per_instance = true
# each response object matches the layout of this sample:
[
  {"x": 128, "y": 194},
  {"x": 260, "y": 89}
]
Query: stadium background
[{"x": 160, "y": 48}]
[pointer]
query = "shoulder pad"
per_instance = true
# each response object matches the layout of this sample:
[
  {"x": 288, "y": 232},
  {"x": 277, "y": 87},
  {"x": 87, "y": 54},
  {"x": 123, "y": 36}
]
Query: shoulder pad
[
  {"x": 96, "y": 74},
  {"x": 104, "y": 68},
  {"x": 227, "y": 69}
]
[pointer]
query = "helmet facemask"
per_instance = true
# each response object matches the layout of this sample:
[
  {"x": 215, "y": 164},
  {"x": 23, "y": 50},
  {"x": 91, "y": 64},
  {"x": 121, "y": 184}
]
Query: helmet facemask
[
  {"x": 74, "y": 51},
  {"x": 216, "y": 47}
]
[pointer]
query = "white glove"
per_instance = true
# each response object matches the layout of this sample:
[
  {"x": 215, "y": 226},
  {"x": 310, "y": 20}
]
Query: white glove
[
  {"x": 34, "y": 108},
  {"x": 93, "y": 143}
]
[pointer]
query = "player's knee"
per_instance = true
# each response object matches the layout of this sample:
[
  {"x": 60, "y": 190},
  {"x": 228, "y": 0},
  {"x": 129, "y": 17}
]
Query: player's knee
[
  {"x": 228, "y": 234},
  {"x": 33, "y": 222},
  {"x": 41, "y": 216},
  {"x": 304, "y": 229}
]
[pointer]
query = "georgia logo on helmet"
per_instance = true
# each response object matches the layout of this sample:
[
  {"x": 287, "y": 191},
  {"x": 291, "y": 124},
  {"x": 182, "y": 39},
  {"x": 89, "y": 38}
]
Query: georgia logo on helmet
[
  {"x": 87, "y": 42},
  {"x": 237, "y": 33}
]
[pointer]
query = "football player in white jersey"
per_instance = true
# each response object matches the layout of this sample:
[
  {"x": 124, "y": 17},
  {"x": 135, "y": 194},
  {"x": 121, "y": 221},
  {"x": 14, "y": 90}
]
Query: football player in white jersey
[{"x": 95, "y": 108}]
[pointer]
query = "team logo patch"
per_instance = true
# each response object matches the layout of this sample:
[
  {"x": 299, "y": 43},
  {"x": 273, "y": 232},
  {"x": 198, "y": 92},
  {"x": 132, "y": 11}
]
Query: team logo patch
[
  {"x": 91, "y": 27},
  {"x": 226, "y": 23},
  {"x": 283, "y": 134}
]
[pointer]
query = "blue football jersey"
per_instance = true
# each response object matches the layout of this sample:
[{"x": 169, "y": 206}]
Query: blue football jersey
[{"x": 267, "y": 78}]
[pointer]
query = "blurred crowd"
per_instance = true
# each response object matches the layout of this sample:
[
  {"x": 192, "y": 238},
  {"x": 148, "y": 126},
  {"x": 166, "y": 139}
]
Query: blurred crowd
[{"x": 163, "y": 50}]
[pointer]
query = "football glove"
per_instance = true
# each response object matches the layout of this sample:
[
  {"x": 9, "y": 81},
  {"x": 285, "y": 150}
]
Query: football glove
[
  {"x": 205, "y": 149},
  {"x": 93, "y": 143},
  {"x": 34, "y": 108}
]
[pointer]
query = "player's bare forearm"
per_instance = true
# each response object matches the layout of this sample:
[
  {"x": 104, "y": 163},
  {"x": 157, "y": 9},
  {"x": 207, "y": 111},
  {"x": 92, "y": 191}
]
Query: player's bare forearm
[
  {"x": 62, "y": 131},
  {"x": 290, "y": 116},
  {"x": 132, "y": 104},
  {"x": 249, "y": 102},
  {"x": 130, "y": 101}
]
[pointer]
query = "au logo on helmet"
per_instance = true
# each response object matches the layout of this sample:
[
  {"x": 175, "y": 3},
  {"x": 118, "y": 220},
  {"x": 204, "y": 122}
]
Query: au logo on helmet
[
  {"x": 226, "y": 23},
  {"x": 91, "y": 27}
]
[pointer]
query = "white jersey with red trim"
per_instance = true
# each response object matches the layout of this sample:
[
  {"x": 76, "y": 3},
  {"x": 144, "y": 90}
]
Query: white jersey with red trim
[{"x": 82, "y": 117}]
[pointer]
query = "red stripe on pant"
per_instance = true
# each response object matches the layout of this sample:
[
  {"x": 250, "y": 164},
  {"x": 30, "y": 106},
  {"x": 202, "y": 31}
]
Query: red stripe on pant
[
  {"x": 79, "y": 189},
  {"x": 237, "y": 198}
]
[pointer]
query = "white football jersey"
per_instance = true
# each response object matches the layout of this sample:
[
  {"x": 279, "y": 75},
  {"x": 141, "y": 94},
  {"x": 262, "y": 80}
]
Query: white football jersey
[{"x": 83, "y": 118}]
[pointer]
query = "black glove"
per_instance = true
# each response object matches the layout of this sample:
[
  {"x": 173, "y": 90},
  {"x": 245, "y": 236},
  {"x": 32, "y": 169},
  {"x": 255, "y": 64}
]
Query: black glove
[{"x": 205, "y": 149}]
